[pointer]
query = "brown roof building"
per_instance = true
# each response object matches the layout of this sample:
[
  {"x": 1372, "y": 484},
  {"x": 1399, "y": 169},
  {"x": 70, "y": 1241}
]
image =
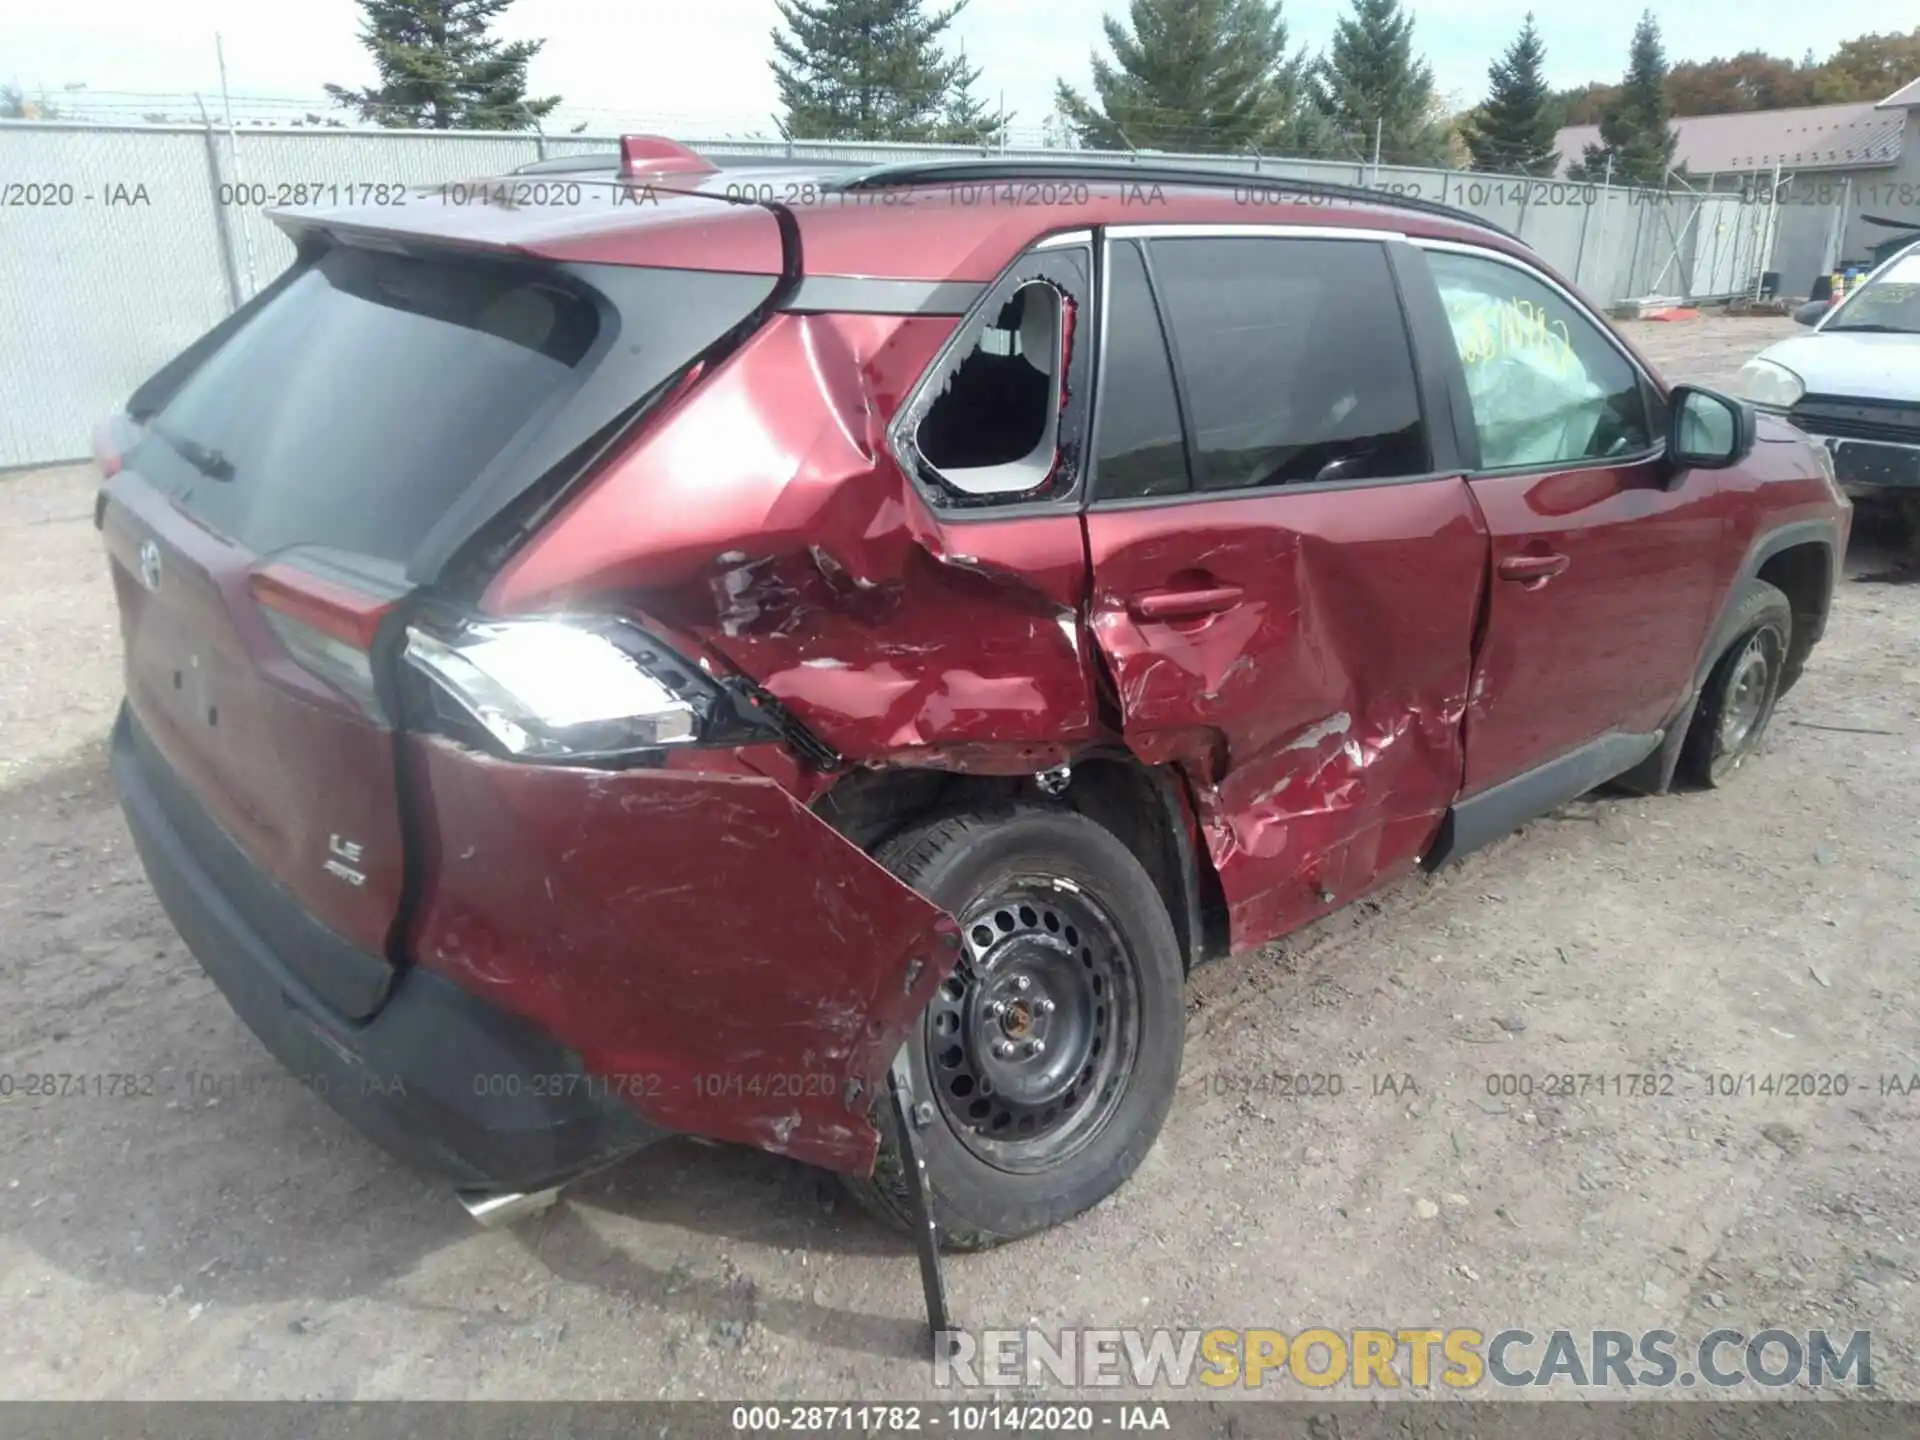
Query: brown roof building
[{"x": 1849, "y": 175}]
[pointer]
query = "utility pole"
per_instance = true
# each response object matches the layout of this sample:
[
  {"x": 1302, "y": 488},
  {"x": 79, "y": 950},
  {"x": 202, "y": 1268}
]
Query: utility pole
[{"x": 1377, "y": 123}]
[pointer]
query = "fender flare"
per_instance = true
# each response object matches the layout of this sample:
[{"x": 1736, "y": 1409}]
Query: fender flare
[
  {"x": 1764, "y": 547},
  {"x": 1654, "y": 775}
]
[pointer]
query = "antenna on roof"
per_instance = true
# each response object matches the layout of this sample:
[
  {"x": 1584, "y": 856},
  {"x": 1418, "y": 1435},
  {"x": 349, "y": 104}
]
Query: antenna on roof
[{"x": 657, "y": 155}]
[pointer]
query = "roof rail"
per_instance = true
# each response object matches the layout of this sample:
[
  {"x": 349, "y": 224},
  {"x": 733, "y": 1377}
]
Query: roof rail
[
  {"x": 608, "y": 161},
  {"x": 571, "y": 164},
  {"x": 927, "y": 172}
]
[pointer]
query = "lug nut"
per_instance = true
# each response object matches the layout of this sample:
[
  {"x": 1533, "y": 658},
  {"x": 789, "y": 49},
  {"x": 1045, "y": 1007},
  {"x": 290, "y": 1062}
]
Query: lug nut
[
  {"x": 1043, "y": 1005},
  {"x": 997, "y": 1008},
  {"x": 1003, "y": 1048},
  {"x": 1039, "y": 1047},
  {"x": 1022, "y": 983}
]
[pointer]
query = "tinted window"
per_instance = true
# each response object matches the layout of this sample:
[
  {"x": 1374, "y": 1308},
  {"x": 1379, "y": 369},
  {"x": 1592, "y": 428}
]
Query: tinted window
[
  {"x": 1295, "y": 359},
  {"x": 362, "y": 401},
  {"x": 1546, "y": 386},
  {"x": 1140, "y": 450}
]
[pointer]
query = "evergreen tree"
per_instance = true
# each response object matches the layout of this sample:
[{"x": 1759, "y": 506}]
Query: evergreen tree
[
  {"x": 863, "y": 69},
  {"x": 440, "y": 68},
  {"x": 1633, "y": 129},
  {"x": 1513, "y": 131},
  {"x": 1372, "y": 83},
  {"x": 965, "y": 118},
  {"x": 1196, "y": 75},
  {"x": 15, "y": 105}
]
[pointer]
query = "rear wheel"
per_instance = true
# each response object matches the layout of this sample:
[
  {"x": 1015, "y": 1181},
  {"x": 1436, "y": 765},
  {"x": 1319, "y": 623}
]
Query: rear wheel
[
  {"x": 1738, "y": 700},
  {"x": 1045, "y": 1064}
]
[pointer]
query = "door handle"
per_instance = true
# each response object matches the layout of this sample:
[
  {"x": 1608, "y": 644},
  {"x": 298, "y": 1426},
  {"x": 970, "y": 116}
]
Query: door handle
[
  {"x": 1532, "y": 569},
  {"x": 1184, "y": 604}
]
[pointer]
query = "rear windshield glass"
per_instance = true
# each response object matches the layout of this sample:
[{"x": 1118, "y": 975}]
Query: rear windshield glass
[{"x": 362, "y": 400}]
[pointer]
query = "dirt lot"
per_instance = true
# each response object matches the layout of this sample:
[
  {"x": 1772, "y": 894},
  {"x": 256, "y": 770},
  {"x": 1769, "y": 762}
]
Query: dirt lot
[{"x": 252, "y": 1245}]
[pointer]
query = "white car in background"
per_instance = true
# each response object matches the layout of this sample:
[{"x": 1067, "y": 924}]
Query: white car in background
[{"x": 1854, "y": 383}]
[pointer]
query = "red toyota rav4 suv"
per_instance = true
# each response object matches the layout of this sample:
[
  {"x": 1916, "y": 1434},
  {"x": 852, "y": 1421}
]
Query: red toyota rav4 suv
[{"x": 656, "y": 650}]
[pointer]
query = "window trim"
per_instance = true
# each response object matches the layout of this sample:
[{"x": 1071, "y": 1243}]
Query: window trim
[
  {"x": 1176, "y": 372},
  {"x": 1236, "y": 230},
  {"x": 1646, "y": 383},
  {"x": 1442, "y": 444},
  {"x": 904, "y": 449}
]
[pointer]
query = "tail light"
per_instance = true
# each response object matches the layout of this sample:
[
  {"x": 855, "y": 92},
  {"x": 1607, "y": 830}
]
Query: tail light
[
  {"x": 113, "y": 438},
  {"x": 571, "y": 688},
  {"x": 328, "y": 630}
]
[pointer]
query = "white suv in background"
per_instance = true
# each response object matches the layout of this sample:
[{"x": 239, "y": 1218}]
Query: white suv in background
[{"x": 1854, "y": 383}]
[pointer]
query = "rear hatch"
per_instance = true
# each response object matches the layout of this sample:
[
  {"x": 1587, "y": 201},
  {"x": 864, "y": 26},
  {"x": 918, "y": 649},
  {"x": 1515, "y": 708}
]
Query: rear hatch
[{"x": 383, "y": 415}]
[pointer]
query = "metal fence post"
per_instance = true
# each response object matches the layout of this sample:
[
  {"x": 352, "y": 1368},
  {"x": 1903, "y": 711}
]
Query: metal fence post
[
  {"x": 222, "y": 220},
  {"x": 1636, "y": 198},
  {"x": 1580, "y": 251}
]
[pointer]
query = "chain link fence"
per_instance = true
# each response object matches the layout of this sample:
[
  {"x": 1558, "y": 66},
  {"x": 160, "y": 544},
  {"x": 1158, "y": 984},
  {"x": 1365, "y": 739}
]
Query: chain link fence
[{"x": 119, "y": 245}]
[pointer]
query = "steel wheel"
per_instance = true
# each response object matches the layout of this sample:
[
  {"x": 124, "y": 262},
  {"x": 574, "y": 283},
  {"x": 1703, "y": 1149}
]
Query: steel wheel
[
  {"x": 1746, "y": 695},
  {"x": 1030, "y": 1042},
  {"x": 1753, "y": 681},
  {"x": 1044, "y": 1067},
  {"x": 1736, "y": 702}
]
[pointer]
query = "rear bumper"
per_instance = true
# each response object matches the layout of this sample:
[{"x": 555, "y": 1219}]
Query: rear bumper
[{"x": 437, "y": 1076}]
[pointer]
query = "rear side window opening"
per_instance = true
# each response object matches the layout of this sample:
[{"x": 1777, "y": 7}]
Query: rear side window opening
[
  {"x": 994, "y": 427},
  {"x": 361, "y": 401},
  {"x": 998, "y": 418}
]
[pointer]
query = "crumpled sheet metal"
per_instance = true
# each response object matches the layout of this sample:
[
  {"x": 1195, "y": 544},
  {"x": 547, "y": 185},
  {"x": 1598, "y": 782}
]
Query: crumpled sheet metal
[
  {"x": 782, "y": 533},
  {"x": 1317, "y": 720},
  {"x": 725, "y": 961}
]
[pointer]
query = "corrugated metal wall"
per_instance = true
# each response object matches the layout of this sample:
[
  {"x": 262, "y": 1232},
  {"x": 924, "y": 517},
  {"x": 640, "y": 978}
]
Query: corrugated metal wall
[{"x": 119, "y": 245}]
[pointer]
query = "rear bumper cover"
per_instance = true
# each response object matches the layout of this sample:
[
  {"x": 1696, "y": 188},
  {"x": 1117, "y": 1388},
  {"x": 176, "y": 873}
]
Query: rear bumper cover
[{"x": 438, "y": 1077}]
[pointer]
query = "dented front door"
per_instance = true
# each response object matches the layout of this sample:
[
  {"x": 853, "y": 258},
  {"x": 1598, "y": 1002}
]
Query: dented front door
[
  {"x": 1297, "y": 642},
  {"x": 1305, "y": 660}
]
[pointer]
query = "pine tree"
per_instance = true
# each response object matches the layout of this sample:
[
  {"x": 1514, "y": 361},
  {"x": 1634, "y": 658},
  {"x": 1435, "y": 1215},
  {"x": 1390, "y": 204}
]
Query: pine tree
[
  {"x": 1633, "y": 129},
  {"x": 1513, "y": 131},
  {"x": 965, "y": 118},
  {"x": 441, "y": 69},
  {"x": 1371, "y": 83},
  {"x": 862, "y": 69},
  {"x": 1196, "y": 75}
]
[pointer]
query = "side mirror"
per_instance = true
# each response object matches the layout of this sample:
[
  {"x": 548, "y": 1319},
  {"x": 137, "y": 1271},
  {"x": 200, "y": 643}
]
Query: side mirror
[
  {"x": 1707, "y": 430},
  {"x": 1812, "y": 312}
]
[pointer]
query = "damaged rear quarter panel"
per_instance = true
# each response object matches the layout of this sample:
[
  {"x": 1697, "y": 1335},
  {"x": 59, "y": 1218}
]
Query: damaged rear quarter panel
[
  {"x": 768, "y": 520},
  {"x": 727, "y": 963}
]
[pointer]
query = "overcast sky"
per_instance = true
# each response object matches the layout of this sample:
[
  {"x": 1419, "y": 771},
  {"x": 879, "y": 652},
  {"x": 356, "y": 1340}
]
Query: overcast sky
[{"x": 700, "y": 66}]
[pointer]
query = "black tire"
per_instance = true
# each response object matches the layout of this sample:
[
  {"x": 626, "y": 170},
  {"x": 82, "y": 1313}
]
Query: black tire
[
  {"x": 1001, "y": 872},
  {"x": 1745, "y": 683}
]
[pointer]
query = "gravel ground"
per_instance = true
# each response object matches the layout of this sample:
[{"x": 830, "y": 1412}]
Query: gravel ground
[{"x": 250, "y": 1245}]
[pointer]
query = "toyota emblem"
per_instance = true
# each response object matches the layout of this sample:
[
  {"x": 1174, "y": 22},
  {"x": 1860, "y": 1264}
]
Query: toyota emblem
[{"x": 150, "y": 565}]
